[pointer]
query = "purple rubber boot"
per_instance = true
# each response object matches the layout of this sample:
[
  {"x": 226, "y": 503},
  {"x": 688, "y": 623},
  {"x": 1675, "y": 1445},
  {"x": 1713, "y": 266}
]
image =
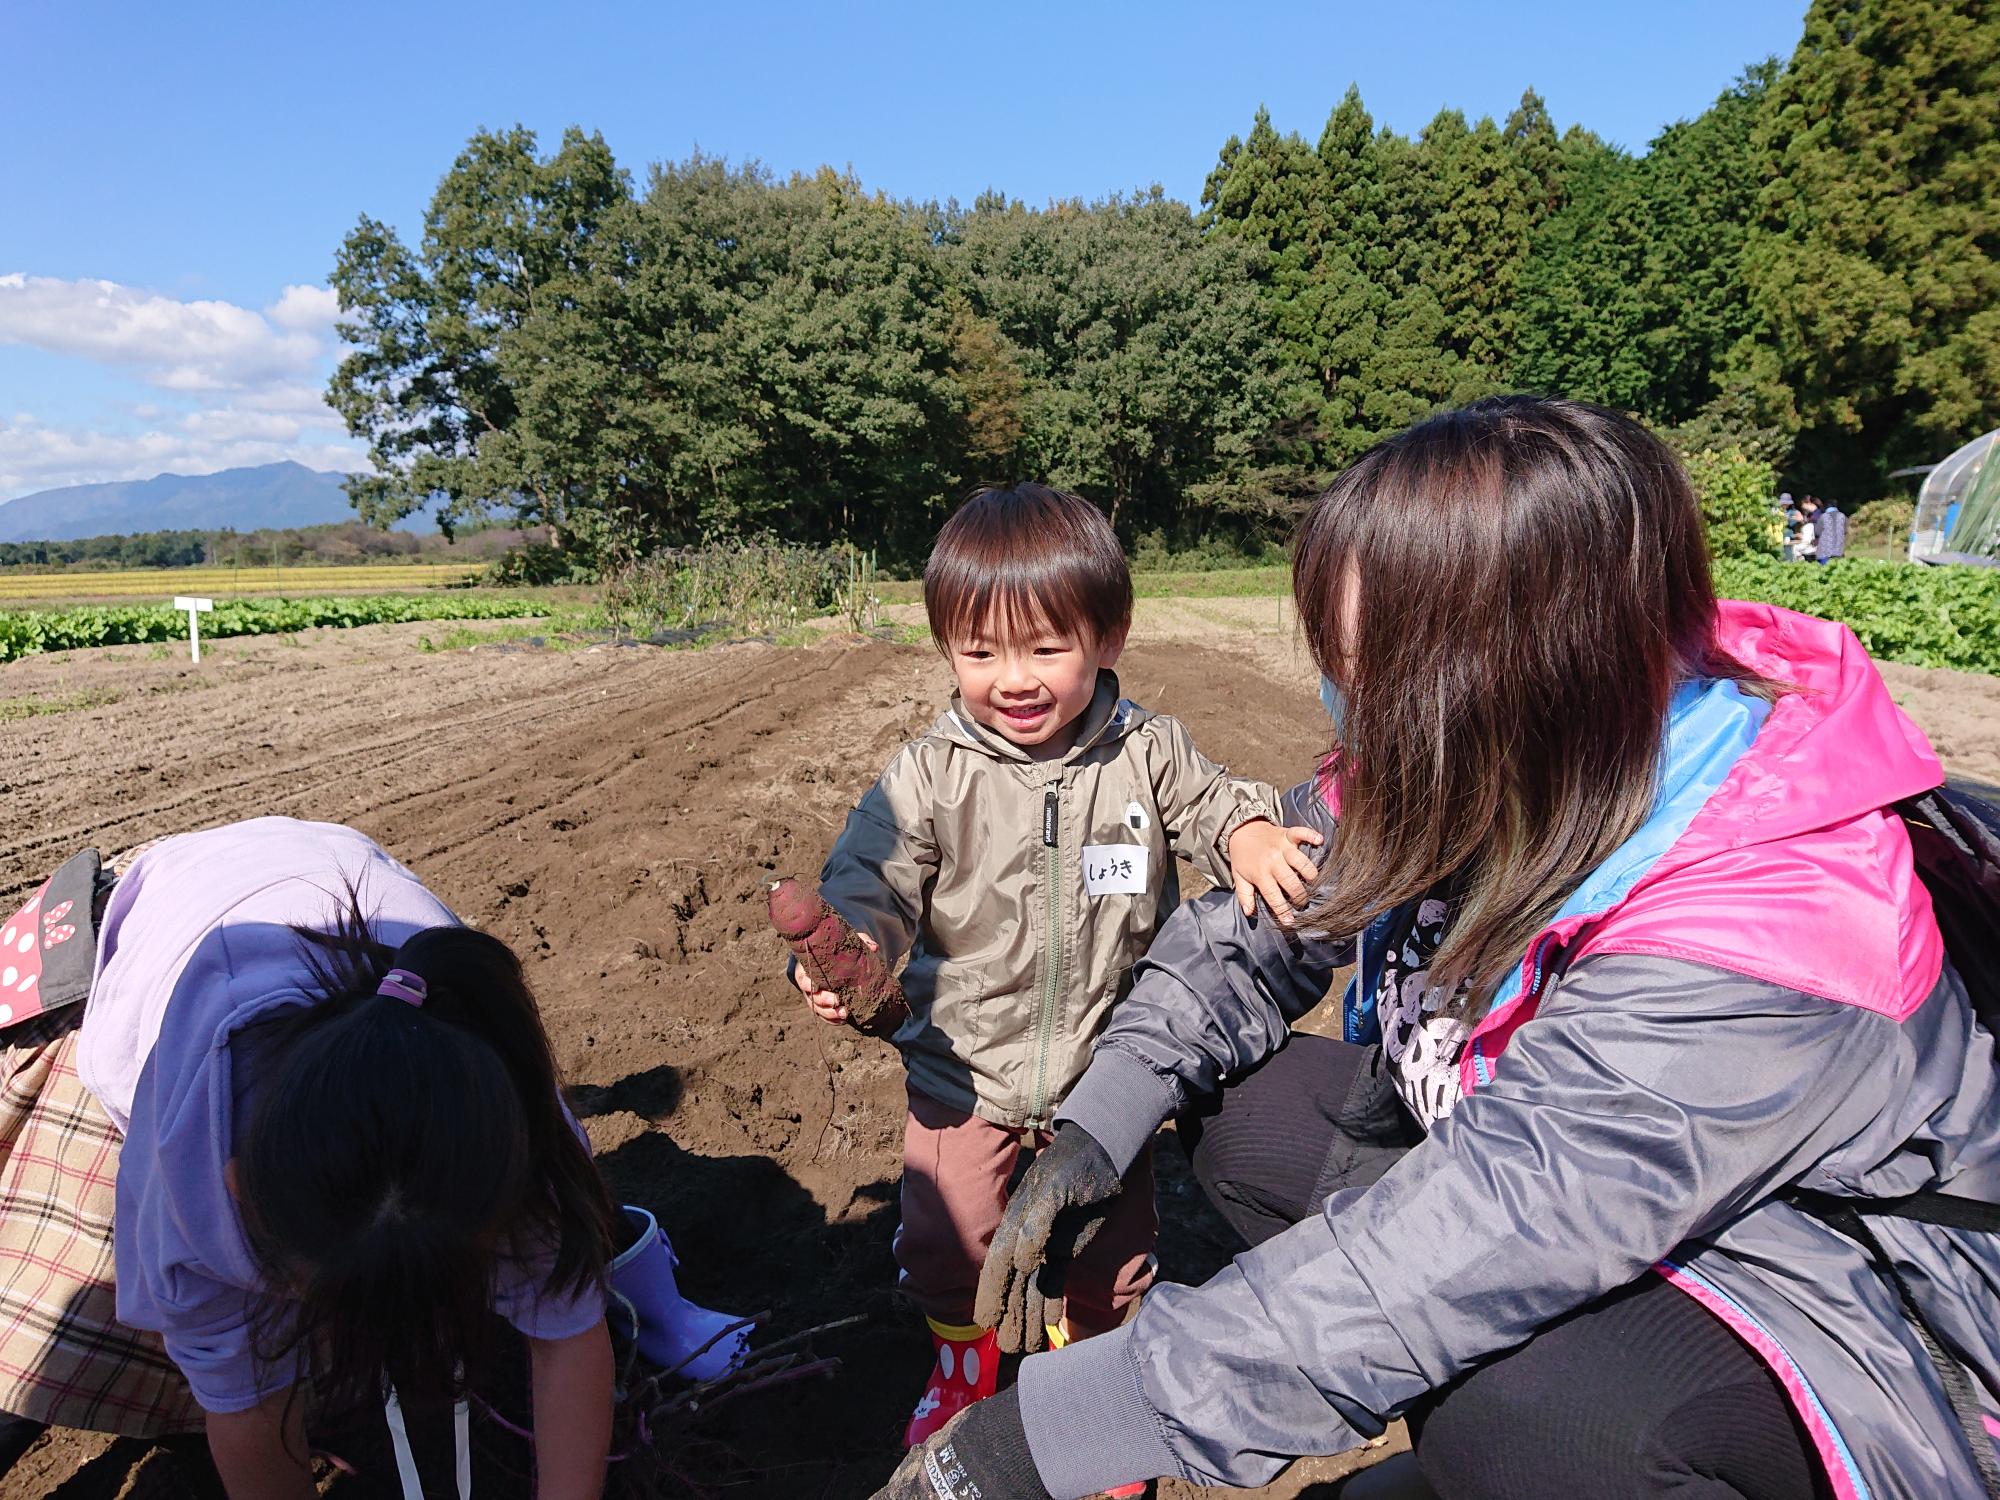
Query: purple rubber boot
[{"x": 670, "y": 1328}]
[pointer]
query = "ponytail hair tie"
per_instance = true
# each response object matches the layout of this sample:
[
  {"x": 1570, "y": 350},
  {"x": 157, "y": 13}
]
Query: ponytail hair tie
[{"x": 401, "y": 984}]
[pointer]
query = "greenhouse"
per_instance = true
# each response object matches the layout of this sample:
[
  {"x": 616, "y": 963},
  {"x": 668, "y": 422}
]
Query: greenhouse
[{"x": 1958, "y": 508}]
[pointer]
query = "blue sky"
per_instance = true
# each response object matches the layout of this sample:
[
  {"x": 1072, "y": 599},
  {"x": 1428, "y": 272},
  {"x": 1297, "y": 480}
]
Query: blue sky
[{"x": 205, "y": 160}]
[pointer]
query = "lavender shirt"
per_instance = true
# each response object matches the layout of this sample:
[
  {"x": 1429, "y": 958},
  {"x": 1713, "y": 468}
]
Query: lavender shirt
[{"x": 197, "y": 942}]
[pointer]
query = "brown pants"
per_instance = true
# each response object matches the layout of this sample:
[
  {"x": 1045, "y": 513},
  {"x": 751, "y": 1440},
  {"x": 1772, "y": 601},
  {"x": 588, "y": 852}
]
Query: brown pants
[{"x": 956, "y": 1168}]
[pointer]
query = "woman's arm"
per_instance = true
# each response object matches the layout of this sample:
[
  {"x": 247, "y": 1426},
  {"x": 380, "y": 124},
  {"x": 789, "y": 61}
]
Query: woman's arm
[
  {"x": 261, "y": 1453},
  {"x": 1650, "y": 1101},
  {"x": 572, "y": 1394}
]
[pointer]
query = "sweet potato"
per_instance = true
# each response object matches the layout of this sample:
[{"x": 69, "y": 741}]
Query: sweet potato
[{"x": 834, "y": 958}]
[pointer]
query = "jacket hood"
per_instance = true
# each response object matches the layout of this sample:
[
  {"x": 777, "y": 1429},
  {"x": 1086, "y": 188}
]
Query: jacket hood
[
  {"x": 1768, "y": 851},
  {"x": 1836, "y": 748}
]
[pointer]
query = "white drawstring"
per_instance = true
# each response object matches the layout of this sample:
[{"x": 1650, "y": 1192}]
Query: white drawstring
[
  {"x": 399, "y": 1438},
  {"x": 406, "y": 1460}
]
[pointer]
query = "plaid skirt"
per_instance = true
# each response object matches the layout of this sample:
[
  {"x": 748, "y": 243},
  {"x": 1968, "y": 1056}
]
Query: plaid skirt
[{"x": 65, "y": 1359}]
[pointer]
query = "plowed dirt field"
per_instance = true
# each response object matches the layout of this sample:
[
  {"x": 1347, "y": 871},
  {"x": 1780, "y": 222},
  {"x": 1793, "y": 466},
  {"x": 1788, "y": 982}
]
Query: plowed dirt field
[{"x": 612, "y": 812}]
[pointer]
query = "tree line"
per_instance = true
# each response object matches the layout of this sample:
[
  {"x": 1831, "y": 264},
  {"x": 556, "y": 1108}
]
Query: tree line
[
  {"x": 1807, "y": 274},
  {"x": 331, "y": 544}
]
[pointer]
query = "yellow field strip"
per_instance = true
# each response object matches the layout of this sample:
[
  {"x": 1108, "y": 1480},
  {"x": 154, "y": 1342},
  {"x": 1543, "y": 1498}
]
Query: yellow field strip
[{"x": 225, "y": 582}]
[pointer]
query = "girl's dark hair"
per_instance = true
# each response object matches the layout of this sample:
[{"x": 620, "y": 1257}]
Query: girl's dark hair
[
  {"x": 1508, "y": 595},
  {"x": 1027, "y": 558},
  {"x": 401, "y": 1160}
]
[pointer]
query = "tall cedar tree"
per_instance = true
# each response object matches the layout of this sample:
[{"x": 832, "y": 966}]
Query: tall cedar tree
[{"x": 1874, "y": 264}]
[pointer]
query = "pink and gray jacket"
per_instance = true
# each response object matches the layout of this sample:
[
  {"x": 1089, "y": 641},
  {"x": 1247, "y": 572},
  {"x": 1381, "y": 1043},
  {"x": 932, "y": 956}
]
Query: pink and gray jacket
[{"x": 1750, "y": 994}]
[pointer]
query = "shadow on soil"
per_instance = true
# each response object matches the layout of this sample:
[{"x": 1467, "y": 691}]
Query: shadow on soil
[{"x": 751, "y": 1238}]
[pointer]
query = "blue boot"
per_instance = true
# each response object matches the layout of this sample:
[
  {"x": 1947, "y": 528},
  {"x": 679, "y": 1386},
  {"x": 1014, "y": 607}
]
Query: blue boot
[{"x": 670, "y": 1329}]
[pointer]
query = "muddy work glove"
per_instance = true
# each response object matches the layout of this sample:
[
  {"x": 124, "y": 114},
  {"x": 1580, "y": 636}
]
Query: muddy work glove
[
  {"x": 1059, "y": 1206},
  {"x": 980, "y": 1454}
]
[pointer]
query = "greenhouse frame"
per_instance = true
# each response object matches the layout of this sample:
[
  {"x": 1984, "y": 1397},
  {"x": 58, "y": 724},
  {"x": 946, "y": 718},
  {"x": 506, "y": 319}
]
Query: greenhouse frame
[{"x": 1958, "y": 508}]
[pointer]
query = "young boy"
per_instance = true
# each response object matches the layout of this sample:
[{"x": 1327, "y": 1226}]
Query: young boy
[{"x": 1018, "y": 853}]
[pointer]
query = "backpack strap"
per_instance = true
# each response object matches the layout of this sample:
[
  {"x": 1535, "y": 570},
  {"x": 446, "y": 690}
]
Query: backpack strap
[{"x": 1955, "y": 844}]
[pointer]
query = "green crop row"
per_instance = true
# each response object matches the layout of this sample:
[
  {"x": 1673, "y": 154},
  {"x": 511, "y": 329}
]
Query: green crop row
[
  {"x": 1928, "y": 617},
  {"x": 25, "y": 632}
]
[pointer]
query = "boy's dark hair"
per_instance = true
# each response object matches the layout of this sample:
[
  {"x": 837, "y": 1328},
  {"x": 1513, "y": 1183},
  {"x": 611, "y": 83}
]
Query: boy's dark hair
[
  {"x": 401, "y": 1160},
  {"x": 1030, "y": 558}
]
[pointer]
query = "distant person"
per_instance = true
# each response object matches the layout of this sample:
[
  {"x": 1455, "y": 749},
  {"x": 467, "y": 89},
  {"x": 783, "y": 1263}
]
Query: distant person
[
  {"x": 1021, "y": 853},
  {"x": 1830, "y": 533},
  {"x": 1806, "y": 542},
  {"x": 306, "y": 1130},
  {"x": 1791, "y": 519},
  {"x": 1640, "y": 950}
]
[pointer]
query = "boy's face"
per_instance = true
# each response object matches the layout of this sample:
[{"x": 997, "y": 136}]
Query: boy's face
[{"x": 1031, "y": 689}]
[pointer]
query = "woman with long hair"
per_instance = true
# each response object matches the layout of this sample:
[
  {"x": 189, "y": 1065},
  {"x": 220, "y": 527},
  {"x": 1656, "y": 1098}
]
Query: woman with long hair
[{"x": 1650, "y": 1008}]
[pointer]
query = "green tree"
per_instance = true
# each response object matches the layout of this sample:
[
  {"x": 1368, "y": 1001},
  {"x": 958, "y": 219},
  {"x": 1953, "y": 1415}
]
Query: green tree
[
  {"x": 1340, "y": 264},
  {"x": 852, "y": 345},
  {"x": 987, "y": 368},
  {"x": 1874, "y": 263},
  {"x": 1701, "y": 178},
  {"x": 1265, "y": 191},
  {"x": 1737, "y": 503},
  {"x": 1150, "y": 381},
  {"x": 425, "y": 384},
  {"x": 741, "y": 355},
  {"x": 637, "y": 389},
  {"x": 1378, "y": 331},
  {"x": 1585, "y": 314},
  {"x": 1486, "y": 192}
]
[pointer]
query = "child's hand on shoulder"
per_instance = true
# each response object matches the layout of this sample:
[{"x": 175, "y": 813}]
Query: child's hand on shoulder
[
  {"x": 1272, "y": 862},
  {"x": 825, "y": 1004}
]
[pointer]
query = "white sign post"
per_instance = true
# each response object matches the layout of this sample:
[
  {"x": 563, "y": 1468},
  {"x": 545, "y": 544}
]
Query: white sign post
[{"x": 195, "y": 609}]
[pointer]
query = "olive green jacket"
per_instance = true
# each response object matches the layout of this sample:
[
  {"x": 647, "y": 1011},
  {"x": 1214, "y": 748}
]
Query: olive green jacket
[{"x": 1023, "y": 891}]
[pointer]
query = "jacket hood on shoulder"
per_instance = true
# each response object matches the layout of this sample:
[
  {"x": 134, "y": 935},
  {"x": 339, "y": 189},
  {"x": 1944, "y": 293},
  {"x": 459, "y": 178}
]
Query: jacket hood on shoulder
[
  {"x": 1768, "y": 851},
  {"x": 1836, "y": 748}
]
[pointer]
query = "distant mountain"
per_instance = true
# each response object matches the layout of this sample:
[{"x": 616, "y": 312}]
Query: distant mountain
[{"x": 285, "y": 494}]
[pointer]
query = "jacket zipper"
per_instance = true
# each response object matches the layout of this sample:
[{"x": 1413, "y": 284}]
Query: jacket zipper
[
  {"x": 1532, "y": 991},
  {"x": 1052, "y": 959}
]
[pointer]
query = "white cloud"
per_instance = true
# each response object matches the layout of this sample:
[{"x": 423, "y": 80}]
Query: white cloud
[
  {"x": 305, "y": 309},
  {"x": 302, "y": 399},
  {"x": 245, "y": 386},
  {"x": 37, "y": 457},
  {"x": 178, "y": 346}
]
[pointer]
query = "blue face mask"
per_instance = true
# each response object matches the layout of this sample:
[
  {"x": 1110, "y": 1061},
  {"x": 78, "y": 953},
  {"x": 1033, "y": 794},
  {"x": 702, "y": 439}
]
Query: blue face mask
[{"x": 1335, "y": 703}]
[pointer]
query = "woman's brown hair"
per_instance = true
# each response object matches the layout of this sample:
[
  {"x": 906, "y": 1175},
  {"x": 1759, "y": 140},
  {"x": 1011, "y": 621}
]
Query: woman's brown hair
[{"x": 1507, "y": 595}]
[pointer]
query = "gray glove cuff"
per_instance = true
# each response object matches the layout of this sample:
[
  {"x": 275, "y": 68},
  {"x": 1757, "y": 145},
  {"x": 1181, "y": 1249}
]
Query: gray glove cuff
[{"x": 1119, "y": 1102}]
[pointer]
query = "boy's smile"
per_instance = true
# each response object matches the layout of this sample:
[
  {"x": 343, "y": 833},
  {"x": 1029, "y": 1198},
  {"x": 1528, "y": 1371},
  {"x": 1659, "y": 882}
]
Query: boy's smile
[{"x": 1032, "y": 689}]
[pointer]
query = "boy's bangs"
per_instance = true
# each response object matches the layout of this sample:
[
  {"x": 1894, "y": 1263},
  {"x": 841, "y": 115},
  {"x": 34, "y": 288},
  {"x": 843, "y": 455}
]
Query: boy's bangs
[{"x": 1018, "y": 601}]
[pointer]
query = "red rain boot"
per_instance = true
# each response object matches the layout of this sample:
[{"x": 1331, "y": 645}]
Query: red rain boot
[{"x": 967, "y": 1370}]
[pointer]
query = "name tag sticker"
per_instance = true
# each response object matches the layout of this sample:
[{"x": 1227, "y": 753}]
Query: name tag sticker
[{"x": 1115, "y": 869}]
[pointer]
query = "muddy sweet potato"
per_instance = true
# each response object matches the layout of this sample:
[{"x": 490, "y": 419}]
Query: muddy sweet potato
[{"x": 834, "y": 958}]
